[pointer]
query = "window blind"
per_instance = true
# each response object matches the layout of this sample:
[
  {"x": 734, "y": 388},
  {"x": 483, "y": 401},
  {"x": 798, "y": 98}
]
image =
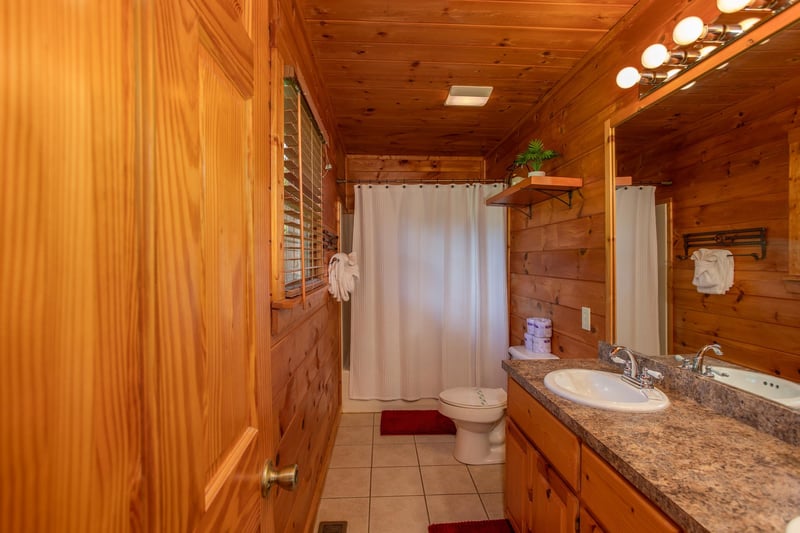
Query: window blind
[{"x": 303, "y": 168}]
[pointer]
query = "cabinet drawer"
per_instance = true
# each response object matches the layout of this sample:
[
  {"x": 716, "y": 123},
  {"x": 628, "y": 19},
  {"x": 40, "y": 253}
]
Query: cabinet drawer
[
  {"x": 556, "y": 442},
  {"x": 618, "y": 505}
]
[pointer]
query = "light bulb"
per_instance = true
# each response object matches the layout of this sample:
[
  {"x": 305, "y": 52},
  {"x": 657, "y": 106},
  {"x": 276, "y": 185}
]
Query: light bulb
[
  {"x": 654, "y": 56},
  {"x": 688, "y": 85},
  {"x": 746, "y": 24},
  {"x": 628, "y": 77},
  {"x": 672, "y": 72},
  {"x": 688, "y": 30},
  {"x": 732, "y": 6}
]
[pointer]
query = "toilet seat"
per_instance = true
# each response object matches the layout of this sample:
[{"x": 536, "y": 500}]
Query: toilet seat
[{"x": 474, "y": 397}]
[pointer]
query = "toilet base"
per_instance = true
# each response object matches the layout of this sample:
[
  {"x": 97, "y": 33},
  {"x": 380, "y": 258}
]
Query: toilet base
[{"x": 474, "y": 448}]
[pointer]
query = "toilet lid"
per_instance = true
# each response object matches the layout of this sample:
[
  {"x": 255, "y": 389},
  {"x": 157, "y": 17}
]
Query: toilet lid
[{"x": 475, "y": 397}]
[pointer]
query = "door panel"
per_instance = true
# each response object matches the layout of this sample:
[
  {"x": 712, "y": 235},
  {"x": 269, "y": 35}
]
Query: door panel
[
  {"x": 230, "y": 419},
  {"x": 211, "y": 424}
]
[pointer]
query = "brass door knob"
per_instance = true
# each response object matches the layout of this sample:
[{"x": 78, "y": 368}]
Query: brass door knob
[{"x": 286, "y": 477}]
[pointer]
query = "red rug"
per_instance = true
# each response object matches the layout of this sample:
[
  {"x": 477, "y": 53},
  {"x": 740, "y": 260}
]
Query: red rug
[
  {"x": 482, "y": 526},
  {"x": 416, "y": 423}
]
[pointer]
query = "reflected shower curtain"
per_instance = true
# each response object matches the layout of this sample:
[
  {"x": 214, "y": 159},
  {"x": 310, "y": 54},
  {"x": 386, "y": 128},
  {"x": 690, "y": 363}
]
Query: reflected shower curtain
[
  {"x": 430, "y": 309},
  {"x": 637, "y": 270}
]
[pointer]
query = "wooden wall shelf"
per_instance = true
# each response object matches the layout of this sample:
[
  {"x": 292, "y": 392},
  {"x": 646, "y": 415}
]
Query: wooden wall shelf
[{"x": 535, "y": 189}]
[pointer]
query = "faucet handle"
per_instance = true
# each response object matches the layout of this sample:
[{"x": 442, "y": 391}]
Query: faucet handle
[
  {"x": 654, "y": 374},
  {"x": 684, "y": 361}
]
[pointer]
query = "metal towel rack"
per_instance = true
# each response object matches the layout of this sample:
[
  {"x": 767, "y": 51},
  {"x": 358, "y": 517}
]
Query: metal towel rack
[{"x": 727, "y": 238}]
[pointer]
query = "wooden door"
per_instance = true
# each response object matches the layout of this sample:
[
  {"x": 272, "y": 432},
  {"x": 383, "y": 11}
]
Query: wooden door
[
  {"x": 69, "y": 344},
  {"x": 134, "y": 266},
  {"x": 207, "y": 398}
]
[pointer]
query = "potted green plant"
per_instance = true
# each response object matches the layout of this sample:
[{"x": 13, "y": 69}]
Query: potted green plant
[{"x": 533, "y": 157}]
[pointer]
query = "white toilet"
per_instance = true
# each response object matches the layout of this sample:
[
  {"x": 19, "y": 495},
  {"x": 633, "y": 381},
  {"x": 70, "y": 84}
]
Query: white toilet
[{"x": 479, "y": 416}]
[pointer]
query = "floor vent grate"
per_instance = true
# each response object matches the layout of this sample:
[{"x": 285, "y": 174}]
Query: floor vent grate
[{"x": 332, "y": 527}]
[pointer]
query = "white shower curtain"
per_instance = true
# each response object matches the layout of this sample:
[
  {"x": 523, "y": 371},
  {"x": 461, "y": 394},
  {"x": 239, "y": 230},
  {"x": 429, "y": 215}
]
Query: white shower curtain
[
  {"x": 637, "y": 270},
  {"x": 430, "y": 310}
]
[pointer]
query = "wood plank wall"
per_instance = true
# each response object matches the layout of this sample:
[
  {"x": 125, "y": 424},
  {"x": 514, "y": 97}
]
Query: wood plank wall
[
  {"x": 558, "y": 255},
  {"x": 732, "y": 173},
  {"x": 306, "y": 359},
  {"x": 409, "y": 169},
  {"x": 306, "y": 400}
]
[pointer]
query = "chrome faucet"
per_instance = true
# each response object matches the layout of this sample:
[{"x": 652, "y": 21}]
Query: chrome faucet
[
  {"x": 631, "y": 367},
  {"x": 631, "y": 374},
  {"x": 697, "y": 360}
]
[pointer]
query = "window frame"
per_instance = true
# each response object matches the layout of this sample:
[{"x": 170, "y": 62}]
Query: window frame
[{"x": 308, "y": 225}]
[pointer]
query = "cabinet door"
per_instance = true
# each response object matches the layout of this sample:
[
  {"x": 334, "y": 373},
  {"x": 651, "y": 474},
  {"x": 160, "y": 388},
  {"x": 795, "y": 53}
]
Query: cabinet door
[
  {"x": 588, "y": 523},
  {"x": 518, "y": 495},
  {"x": 555, "y": 507},
  {"x": 617, "y": 504}
]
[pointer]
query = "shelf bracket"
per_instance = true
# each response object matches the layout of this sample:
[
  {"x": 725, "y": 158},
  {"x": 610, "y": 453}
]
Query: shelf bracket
[
  {"x": 526, "y": 210},
  {"x": 558, "y": 196}
]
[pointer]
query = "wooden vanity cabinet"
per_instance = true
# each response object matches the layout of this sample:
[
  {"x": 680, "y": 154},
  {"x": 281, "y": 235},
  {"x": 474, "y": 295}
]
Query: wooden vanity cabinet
[
  {"x": 555, "y": 484},
  {"x": 540, "y": 497},
  {"x": 537, "y": 499}
]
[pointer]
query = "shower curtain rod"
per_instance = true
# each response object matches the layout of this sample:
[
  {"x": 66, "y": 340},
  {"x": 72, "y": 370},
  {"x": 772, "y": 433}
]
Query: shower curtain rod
[
  {"x": 417, "y": 182},
  {"x": 666, "y": 183}
]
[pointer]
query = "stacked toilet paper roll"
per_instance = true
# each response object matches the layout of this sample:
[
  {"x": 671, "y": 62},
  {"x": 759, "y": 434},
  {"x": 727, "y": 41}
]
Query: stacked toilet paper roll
[{"x": 539, "y": 332}]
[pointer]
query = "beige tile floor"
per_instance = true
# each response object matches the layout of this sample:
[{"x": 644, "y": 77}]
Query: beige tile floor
[{"x": 402, "y": 483}]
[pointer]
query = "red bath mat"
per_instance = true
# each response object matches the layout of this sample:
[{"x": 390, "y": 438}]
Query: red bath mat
[
  {"x": 416, "y": 423},
  {"x": 482, "y": 526}
]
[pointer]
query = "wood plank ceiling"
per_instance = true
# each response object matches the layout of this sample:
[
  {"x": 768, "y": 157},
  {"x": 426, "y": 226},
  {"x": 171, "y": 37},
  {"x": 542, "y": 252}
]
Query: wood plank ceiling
[{"x": 388, "y": 65}]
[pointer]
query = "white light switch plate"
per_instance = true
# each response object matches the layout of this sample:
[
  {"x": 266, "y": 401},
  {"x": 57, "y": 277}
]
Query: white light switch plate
[{"x": 586, "y": 318}]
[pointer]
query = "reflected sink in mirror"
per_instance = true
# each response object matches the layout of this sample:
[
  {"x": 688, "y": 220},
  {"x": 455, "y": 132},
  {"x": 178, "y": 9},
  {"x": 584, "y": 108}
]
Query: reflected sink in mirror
[
  {"x": 769, "y": 387},
  {"x": 604, "y": 390}
]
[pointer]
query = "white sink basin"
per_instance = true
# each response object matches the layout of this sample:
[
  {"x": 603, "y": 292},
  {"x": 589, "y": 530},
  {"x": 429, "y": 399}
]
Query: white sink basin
[
  {"x": 604, "y": 390},
  {"x": 764, "y": 385}
]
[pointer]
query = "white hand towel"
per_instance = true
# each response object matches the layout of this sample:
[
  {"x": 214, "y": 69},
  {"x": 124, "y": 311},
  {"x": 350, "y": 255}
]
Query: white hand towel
[
  {"x": 713, "y": 271},
  {"x": 342, "y": 273}
]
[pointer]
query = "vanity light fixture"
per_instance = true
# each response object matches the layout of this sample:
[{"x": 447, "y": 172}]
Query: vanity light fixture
[
  {"x": 468, "y": 96},
  {"x": 695, "y": 40}
]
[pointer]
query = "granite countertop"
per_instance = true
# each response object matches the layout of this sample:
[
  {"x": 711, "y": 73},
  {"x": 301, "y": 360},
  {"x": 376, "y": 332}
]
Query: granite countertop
[{"x": 705, "y": 470}]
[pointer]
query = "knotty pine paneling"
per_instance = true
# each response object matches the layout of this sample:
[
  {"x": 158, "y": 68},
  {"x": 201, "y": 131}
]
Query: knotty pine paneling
[
  {"x": 589, "y": 14},
  {"x": 317, "y": 416},
  {"x": 410, "y": 169},
  {"x": 306, "y": 371},
  {"x": 732, "y": 173}
]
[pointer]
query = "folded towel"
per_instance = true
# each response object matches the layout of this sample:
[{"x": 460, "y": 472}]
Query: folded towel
[
  {"x": 342, "y": 275},
  {"x": 713, "y": 271}
]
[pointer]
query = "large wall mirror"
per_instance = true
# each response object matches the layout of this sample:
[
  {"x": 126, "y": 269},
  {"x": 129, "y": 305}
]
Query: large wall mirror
[{"x": 717, "y": 157}]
